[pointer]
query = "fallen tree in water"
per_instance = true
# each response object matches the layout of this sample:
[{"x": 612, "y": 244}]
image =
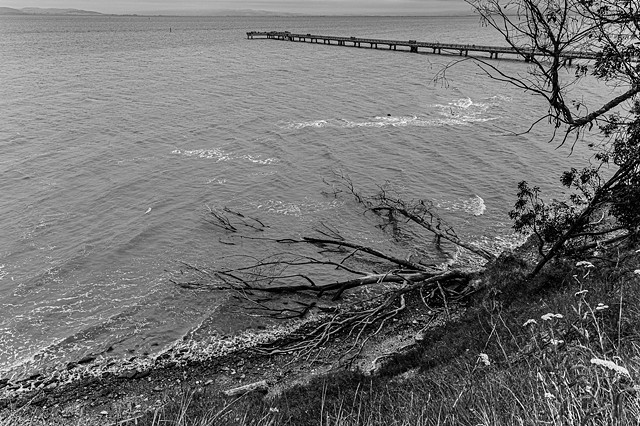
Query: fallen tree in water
[
  {"x": 318, "y": 270},
  {"x": 316, "y": 274}
]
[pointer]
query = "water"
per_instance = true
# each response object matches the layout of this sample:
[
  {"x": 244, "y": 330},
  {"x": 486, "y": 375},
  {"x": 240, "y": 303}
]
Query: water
[{"x": 117, "y": 132}]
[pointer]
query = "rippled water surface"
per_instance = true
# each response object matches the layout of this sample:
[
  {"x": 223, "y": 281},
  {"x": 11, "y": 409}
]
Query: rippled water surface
[{"x": 116, "y": 133}]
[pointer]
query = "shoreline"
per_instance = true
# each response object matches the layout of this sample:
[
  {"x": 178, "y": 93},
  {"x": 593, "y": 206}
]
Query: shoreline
[
  {"x": 90, "y": 389},
  {"x": 188, "y": 349},
  {"x": 179, "y": 353}
]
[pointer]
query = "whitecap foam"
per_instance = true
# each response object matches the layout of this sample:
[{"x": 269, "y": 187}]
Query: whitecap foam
[
  {"x": 495, "y": 244},
  {"x": 215, "y": 154},
  {"x": 463, "y": 103},
  {"x": 281, "y": 207},
  {"x": 302, "y": 124},
  {"x": 258, "y": 160},
  {"x": 465, "y": 111},
  {"x": 474, "y": 205},
  {"x": 217, "y": 181},
  {"x": 297, "y": 208},
  {"x": 501, "y": 98},
  {"x": 459, "y": 113},
  {"x": 220, "y": 155},
  {"x": 504, "y": 242}
]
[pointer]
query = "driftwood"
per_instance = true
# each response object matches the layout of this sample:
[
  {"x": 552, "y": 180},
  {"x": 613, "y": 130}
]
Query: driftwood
[{"x": 260, "y": 386}]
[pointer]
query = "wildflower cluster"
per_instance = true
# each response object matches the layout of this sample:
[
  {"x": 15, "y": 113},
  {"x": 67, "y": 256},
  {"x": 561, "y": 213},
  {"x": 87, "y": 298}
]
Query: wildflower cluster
[
  {"x": 610, "y": 365},
  {"x": 550, "y": 316}
]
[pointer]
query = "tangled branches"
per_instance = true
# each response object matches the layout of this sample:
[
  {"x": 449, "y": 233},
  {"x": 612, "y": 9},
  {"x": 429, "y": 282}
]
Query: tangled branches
[
  {"x": 421, "y": 213},
  {"x": 312, "y": 273}
]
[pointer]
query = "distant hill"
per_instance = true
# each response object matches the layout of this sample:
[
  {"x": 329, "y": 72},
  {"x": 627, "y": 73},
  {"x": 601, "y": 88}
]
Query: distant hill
[
  {"x": 45, "y": 11},
  {"x": 174, "y": 12},
  {"x": 244, "y": 12},
  {"x": 10, "y": 11},
  {"x": 215, "y": 12}
]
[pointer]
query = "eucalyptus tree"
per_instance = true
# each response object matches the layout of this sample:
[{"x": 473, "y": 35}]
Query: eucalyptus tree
[{"x": 605, "y": 202}]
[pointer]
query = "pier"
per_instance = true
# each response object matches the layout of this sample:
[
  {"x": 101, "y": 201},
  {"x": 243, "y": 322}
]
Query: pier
[{"x": 415, "y": 46}]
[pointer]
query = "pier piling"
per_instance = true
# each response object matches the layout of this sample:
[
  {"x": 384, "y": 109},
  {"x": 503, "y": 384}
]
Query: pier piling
[{"x": 413, "y": 46}]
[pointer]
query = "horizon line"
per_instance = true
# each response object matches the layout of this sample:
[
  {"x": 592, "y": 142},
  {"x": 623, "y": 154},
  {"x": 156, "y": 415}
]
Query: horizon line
[{"x": 231, "y": 13}]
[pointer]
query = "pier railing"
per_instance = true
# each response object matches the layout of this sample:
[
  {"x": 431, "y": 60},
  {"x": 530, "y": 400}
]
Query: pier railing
[{"x": 415, "y": 46}]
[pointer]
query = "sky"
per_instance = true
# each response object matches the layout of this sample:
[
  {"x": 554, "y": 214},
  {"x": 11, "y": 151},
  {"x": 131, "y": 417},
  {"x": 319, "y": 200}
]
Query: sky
[{"x": 314, "y": 7}]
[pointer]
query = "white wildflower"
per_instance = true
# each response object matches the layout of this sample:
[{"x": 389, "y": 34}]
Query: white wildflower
[
  {"x": 274, "y": 410},
  {"x": 529, "y": 322},
  {"x": 581, "y": 292},
  {"x": 549, "y": 316},
  {"x": 556, "y": 342},
  {"x": 601, "y": 307},
  {"x": 549, "y": 395},
  {"x": 611, "y": 366},
  {"x": 484, "y": 359},
  {"x": 585, "y": 263}
]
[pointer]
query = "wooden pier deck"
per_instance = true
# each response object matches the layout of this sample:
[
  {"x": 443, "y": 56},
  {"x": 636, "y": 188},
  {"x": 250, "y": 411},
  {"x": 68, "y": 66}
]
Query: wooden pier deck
[{"x": 414, "y": 46}]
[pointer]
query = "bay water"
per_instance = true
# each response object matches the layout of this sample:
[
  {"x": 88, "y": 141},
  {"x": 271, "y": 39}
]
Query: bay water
[{"x": 117, "y": 134}]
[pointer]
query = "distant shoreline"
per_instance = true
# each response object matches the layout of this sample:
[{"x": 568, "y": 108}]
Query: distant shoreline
[{"x": 33, "y": 11}]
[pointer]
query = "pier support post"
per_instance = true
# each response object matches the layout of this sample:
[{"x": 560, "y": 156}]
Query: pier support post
[{"x": 528, "y": 54}]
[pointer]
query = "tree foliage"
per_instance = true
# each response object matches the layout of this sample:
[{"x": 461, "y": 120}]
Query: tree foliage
[
  {"x": 605, "y": 195},
  {"x": 548, "y": 31}
]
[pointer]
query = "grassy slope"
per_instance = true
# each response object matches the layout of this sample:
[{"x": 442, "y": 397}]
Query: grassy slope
[{"x": 579, "y": 366}]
